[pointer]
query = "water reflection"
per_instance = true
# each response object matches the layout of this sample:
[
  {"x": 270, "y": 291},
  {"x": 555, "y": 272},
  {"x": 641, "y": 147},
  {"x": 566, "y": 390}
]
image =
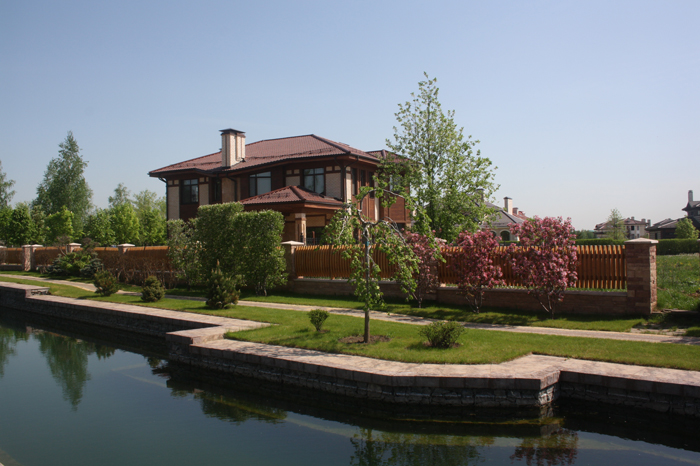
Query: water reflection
[
  {"x": 557, "y": 448},
  {"x": 8, "y": 342},
  {"x": 400, "y": 449}
]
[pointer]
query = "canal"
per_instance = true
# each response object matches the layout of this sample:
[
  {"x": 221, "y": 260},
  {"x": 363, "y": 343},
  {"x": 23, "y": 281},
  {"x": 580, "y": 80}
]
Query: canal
[{"x": 85, "y": 396}]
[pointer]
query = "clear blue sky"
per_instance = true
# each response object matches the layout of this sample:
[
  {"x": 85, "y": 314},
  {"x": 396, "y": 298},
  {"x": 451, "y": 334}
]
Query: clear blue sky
[{"x": 584, "y": 106}]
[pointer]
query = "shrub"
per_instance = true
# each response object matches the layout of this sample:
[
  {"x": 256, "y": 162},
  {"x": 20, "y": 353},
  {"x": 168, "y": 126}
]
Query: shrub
[
  {"x": 442, "y": 334},
  {"x": 152, "y": 290},
  {"x": 222, "y": 290},
  {"x": 70, "y": 264},
  {"x": 106, "y": 283},
  {"x": 317, "y": 318},
  {"x": 546, "y": 261},
  {"x": 673, "y": 247},
  {"x": 474, "y": 264},
  {"x": 428, "y": 253}
]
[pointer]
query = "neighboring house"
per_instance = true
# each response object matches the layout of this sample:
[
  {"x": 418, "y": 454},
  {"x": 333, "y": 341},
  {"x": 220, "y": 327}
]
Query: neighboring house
[
  {"x": 666, "y": 229},
  {"x": 306, "y": 178},
  {"x": 633, "y": 228},
  {"x": 503, "y": 218}
]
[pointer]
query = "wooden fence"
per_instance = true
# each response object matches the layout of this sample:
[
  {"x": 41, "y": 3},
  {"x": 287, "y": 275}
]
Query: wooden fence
[
  {"x": 600, "y": 267},
  {"x": 11, "y": 256}
]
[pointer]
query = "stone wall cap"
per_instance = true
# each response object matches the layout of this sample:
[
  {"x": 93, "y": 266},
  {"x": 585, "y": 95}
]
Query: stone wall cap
[
  {"x": 294, "y": 243},
  {"x": 127, "y": 245},
  {"x": 74, "y": 244},
  {"x": 642, "y": 240}
]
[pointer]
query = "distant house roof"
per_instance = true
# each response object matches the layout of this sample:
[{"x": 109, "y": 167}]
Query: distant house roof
[
  {"x": 502, "y": 218},
  {"x": 269, "y": 152},
  {"x": 291, "y": 194},
  {"x": 667, "y": 224}
]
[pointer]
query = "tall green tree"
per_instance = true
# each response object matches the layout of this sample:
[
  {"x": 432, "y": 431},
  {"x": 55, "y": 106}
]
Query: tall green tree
[
  {"x": 21, "y": 229},
  {"x": 446, "y": 174},
  {"x": 6, "y": 192},
  {"x": 686, "y": 230},
  {"x": 146, "y": 200},
  {"x": 60, "y": 225},
  {"x": 122, "y": 196},
  {"x": 99, "y": 228},
  {"x": 125, "y": 224},
  {"x": 150, "y": 210},
  {"x": 616, "y": 226},
  {"x": 64, "y": 184}
]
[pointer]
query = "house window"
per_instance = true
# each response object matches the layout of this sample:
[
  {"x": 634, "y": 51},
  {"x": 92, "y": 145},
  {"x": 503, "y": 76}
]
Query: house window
[
  {"x": 314, "y": 180},
  {"x": 189, "y": 192},
  {"x": 260, "y": 183},
  {"x": 353, "y": 181},
  {"x": 216, "y": 190}
]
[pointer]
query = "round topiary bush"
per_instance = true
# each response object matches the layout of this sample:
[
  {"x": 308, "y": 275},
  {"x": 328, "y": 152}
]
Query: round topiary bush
[
  {"x": 317, "y": 318},
  {"x": 152, "y": 290},
  {"x": 105, "y": 283}
]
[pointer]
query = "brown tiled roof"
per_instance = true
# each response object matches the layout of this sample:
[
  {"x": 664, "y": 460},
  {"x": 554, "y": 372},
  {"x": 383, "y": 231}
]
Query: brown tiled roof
[
  {"x": 291, "y": 194},
  {"x": 268, "y": 152}
]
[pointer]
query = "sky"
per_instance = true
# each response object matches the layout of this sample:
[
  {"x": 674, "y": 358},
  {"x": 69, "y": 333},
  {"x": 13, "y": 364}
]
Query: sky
[{"x": 584, "y": 106}]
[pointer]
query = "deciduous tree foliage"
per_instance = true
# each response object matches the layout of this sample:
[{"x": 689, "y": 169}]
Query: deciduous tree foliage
[
  {"x": 476, "y": 267},
  {"x": 21, "y": 229},
  {"x": 99, "y": 228},
  {"x": 447, "y": 177},
  {"x": 64, "y": 184},
  {"x": 616, "y": 226},
  {"x": 427, "y": 252},
  {"x": 6, "y": 192},
  {"x": 125, "y": 224},
  {"x": 546, "y": 260},
  {"x": 686, "y": 230},
  {"x": 381, "y": 234},
  {"x": 59, "y": 224},
  {"x": 185, "y": 252}
]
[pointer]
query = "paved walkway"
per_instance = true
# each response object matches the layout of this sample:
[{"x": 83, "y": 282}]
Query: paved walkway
[{"x": 650, "y": 338}]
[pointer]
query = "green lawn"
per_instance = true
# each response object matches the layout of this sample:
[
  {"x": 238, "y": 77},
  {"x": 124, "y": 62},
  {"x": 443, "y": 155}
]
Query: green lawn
[
  {"x": 678, "y": 282},
  {"x": 476, "y": 346}
]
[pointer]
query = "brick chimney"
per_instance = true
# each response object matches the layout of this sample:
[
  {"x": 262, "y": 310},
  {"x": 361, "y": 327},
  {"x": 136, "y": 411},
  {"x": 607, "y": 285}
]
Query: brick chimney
[
  {"x": 508, "y": 205},
  {"x": 690, "y": 196},
  {"x": 232, "y": 147}
]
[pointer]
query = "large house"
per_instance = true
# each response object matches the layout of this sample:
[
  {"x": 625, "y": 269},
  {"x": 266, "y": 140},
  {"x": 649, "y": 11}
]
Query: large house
[
  {"x": 633, "y": 228},
  {"x": 306, "y": 178},
  {"x": 666, "y": 229}
]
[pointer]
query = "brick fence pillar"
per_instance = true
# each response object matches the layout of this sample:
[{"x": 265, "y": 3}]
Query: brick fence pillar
[
  {"x": 71, "y": 247},
  {"x": 124, "y": 247},
  {"x": 641, "y": 275},
  {"x": 3, "y": 254},
  {"x": 28, "y": 262},
  {"x": 289, "y": 248}
]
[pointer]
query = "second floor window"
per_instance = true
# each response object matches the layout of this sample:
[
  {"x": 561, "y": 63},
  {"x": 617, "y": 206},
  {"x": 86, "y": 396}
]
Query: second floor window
[
  {"x": 189, "y": 192},
  {"x": 260, "y": 183},
  {"x": 216, "y": 190},
  {"x": 314, "y": 180}
]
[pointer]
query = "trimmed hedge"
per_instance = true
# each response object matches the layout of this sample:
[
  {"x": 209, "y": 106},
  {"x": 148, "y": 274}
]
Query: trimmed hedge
[
  {"x": 673, "y": 247},
  {"x": 599, "y": 242}
]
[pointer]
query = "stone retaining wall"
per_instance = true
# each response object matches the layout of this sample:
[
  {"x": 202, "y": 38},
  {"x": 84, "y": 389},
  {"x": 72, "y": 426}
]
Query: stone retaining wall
[{"x": 532, "y": 381}]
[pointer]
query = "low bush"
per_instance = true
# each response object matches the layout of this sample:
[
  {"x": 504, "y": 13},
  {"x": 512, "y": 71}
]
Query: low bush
[
  {"x": 152, "y": 290},
  {"x": 599, "y": 242},
  {"x": 70, "y": 264},
  {"x": 106, "y": 283},
  {"x": 317, "y": 318},
  {"x": 222, "y": 290},
  {"x": 442, "y": 334}
]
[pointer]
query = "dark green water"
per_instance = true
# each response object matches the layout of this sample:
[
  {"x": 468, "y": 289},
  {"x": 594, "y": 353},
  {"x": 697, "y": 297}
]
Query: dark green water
[{"x": 68, "y": 401}]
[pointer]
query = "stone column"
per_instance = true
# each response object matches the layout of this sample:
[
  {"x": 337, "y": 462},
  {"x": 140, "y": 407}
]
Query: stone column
[
  {"x": 124, "y": 247},
  {"x": 300, "y": 227},
  {"x": 71, "y": 247},
  {"x": 28, "y": 262},
  {"x": 641, "y": 275},
  {"x": 289, "y": 247}
]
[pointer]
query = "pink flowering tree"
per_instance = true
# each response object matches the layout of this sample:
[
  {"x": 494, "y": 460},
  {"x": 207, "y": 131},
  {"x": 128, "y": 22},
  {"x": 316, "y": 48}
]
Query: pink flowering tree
[
  {"x": 475, "y": 266},
  {"x": 427, "y": 252},
  {"x": 546, "y": 259}
]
